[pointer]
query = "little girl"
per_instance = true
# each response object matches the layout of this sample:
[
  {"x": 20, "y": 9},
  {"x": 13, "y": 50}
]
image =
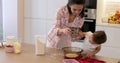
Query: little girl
[{"x": 93, "y": 41}]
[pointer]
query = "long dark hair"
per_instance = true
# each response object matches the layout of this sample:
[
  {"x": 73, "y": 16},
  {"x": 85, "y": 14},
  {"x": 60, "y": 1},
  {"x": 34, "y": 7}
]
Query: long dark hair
[{"x": 71, "y": 2}]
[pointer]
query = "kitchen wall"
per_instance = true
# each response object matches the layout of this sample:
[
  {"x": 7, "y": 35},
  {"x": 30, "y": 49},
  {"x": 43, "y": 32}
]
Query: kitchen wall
[
  {"x": 112, "y": 45},
  {"x": 39, "y": 17}
]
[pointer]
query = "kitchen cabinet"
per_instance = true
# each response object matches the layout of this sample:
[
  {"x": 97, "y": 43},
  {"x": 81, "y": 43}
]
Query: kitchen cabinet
[
  {"x": 42, "y": 9},
  {"x": 35, "y": 9},
  {"x": 39, "y": 17},
  {"x": 35, "y": 27},
  {"x": 35, "y": 13},
  {"x": 112, "y": 35},
  {"x": 53, "y": 6},
  {"x": 112, "y": 44},
  {"x": 49, "y": 24},
  {"x": 106, "y": 8}
]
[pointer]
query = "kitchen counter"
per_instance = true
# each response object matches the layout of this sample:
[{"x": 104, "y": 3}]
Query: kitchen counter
[{"x": 28, "y": 56}]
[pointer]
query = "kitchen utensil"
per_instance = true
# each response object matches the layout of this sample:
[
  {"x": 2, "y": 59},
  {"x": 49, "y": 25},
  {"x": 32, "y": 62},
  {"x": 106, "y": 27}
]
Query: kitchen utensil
[{"x": 72, "y": 52}]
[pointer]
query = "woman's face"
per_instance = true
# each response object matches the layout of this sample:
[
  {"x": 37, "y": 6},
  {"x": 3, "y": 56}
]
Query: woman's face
[{"x": 76, "y": 9}]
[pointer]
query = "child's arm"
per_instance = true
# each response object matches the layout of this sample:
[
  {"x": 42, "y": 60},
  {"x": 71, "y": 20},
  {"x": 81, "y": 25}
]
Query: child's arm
[
  {"x": 97, "y": 50},
  {"x": 94, "y": 52},
  {"x": 80, "y": 35},
  {"x": 84, "y": 33}
]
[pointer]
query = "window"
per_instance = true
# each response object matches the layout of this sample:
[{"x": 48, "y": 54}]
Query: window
[{"x": 1, "y": 22}]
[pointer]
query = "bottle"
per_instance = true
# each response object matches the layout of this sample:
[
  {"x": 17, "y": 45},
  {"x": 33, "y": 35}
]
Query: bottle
[
  {"x": 17, "y": 47},
  {"x": 9, "y": 46},
  {"x": 39, "y": 46},
  {"x": 10, "y": 40}
]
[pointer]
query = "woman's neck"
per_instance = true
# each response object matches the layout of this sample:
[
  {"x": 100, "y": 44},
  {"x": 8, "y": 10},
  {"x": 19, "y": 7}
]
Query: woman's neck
[{"x": 71, "y": 18}]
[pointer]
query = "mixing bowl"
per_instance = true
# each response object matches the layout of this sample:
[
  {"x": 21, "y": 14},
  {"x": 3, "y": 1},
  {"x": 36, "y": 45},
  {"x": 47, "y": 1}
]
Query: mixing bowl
[{"x": 72, "y": 52}]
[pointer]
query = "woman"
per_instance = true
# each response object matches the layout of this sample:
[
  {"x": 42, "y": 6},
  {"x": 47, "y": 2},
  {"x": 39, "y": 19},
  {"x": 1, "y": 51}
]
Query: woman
[{"x": 68, "y": 16}]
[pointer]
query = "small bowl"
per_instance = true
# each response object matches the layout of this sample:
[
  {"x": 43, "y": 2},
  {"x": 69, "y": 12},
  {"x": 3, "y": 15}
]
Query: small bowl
[{"x": 72, "y": 52}]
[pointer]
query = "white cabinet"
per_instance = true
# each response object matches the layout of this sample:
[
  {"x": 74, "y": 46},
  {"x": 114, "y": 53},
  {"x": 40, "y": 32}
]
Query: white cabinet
[
  {"x": 39, "y": 8},
  {"x": 27, "y": 8},
  {"x": 113, "y": 36},
  {"x": 35, "y": 13},
  {"x": 39, "y": 17},
  {"x": 110, "y": 51},
  {"x": 53, "y": 6},
  {"x": 27, "y": 30},
  {"x": 34, "y": 27},
  {"x": 35, "y": 8},
  {"x": 49, "y": 24},
  {"x": 112, "y": 45}
]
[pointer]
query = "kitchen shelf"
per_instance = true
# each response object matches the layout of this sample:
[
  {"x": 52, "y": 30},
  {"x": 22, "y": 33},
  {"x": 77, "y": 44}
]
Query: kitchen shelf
[{"x": 109, "y": 25}]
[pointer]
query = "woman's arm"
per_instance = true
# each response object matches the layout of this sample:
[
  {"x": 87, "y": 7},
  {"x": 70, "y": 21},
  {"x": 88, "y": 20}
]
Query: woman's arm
[
  {"x": 57, "y": 24},
  {"x": 60, "y": 20},
  {"x": 53, "y": 33}
]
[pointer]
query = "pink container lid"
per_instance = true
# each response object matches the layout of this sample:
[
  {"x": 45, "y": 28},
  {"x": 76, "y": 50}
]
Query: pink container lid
[{"x": 70, "y": 61}]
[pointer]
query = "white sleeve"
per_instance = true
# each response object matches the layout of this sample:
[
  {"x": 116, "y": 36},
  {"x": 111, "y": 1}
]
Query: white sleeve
[{"x": 88, "y": 34}]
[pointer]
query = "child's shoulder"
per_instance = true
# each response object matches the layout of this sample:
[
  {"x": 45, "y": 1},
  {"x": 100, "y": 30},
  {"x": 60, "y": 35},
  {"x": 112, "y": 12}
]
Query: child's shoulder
[{"x": 89, "y": 33}]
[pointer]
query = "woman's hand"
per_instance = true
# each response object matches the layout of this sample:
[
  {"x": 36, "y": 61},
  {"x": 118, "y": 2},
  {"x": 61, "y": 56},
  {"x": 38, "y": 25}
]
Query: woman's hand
[
  {"x": 66, "y": 31},
  {"x": 79, "y": 36}
]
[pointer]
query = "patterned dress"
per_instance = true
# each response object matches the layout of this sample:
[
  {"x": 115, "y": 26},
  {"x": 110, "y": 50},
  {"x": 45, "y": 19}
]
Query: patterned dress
[{"x": 61, "y": 22}]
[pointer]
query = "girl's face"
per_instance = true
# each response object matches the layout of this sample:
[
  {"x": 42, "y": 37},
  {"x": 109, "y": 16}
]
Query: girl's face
[
  {"x": 76, "y": 9},
  {"x": 91, "y": 39}
]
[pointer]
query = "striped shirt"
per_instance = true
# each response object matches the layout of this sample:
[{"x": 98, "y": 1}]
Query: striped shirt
[{"x": 61, "y": 22}]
